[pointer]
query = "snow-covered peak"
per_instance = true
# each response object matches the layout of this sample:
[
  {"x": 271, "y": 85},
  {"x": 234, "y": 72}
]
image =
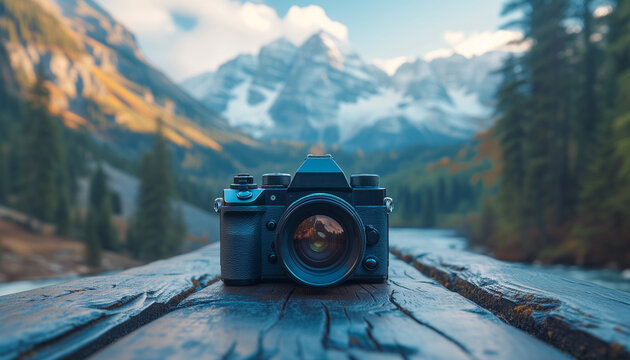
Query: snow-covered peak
[
  {"x": 327, "y": 48},
  {"x": 274, "y": 62},
  {"x": 278, "y": 47}
]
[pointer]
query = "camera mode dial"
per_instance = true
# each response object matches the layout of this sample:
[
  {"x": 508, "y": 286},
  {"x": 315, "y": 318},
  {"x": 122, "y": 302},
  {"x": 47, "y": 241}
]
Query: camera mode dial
[{"x": 276, "y": 180}]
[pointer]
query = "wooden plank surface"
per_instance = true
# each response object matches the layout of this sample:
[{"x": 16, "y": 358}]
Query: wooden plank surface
[
  {"x": 411, "y": 316},
  {"x": 584, "y": 319},
  {"x": 177, "y": 308},
  {"x": 76, "y": 318}
]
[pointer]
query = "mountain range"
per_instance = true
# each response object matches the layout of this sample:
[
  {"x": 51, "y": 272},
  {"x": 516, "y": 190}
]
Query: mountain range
[{"x": 324, "y": 92}]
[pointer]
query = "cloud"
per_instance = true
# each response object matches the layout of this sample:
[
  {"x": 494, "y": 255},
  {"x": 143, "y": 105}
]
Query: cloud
[
  {"x": 439, "y": 53},
  {"x": 453, "y": 37},
  {"x": 391, "y": 65},
  {"x": 213, "y": 31},
  {"x": 478, "y": 43},
  {"x": 301, "y": 22},
  {"x": 468, "y": 45}
]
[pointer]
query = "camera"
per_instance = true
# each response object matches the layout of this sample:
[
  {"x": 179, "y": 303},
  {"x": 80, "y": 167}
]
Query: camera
[{"x": 315, "y": 228}]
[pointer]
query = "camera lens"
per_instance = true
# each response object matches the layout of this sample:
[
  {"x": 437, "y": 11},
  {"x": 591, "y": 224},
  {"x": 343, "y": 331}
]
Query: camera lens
[{"x": 320, "y": 240}]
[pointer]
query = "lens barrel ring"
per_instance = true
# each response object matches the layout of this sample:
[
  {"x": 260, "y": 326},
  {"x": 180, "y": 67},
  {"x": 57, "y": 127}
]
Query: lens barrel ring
[{"x": 343, "y": 213}]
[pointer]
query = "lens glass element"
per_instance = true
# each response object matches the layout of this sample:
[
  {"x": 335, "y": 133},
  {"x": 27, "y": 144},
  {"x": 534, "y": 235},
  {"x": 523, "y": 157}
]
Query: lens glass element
[{"x": 319, "y": 241}]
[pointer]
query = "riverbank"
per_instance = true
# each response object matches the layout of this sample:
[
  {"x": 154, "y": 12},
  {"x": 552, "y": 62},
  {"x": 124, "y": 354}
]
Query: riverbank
[{"x": 446, "y": 238}]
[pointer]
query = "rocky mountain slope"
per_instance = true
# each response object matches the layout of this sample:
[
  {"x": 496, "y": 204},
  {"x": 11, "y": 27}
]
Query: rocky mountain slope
[
  {"x": 323, "y": 91},
  {"x": 99, "y": 79}
]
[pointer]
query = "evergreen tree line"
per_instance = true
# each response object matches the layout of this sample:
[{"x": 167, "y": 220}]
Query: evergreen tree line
[
  {"x": 430, "y": 201},
  {"x": 41, "y": 162},
  {"x": 564, "y": 131},
  {"x": 157, "y": 229}
]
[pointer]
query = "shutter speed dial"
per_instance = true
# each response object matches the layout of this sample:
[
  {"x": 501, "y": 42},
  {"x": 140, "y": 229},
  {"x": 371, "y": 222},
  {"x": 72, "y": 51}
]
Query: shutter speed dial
[
  {"x": 243, "y": 183},
  {"x": 364, "y": 180}
]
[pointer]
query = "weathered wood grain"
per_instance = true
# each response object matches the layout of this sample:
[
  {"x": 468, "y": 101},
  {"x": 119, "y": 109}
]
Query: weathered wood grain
[
  {"x": 76, "y": 318},
  {"x": 586, "y": 320},
  {"x": 409, "y": 317}
]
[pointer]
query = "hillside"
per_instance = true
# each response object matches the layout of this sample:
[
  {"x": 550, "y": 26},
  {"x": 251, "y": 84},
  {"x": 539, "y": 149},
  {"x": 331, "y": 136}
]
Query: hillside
[
  {"x": 28, "y": 255},
  {"x": 99, "y": 79}
]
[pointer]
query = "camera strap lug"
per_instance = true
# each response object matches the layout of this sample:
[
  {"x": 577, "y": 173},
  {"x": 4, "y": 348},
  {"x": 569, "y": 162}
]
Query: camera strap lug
[
  {"x": 389, "y": 205},
  {"x": 218, "y": 204}
]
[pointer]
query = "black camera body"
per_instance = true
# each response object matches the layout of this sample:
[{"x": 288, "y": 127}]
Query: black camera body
[{"x": 316, "y": 228}]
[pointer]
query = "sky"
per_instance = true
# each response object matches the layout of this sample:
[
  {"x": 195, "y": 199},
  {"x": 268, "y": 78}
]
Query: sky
[{"x": 188, "y": 37}]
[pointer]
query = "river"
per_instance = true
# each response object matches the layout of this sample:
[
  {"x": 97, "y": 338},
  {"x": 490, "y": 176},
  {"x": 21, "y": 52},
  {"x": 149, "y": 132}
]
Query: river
[{"x": 439, "y": 238}]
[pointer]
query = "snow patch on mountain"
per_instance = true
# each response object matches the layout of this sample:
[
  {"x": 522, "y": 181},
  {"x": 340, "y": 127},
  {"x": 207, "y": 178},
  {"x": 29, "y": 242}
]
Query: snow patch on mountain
[
  {"x": 251, "y": 118},
  {"x": 367, "y": 111}
]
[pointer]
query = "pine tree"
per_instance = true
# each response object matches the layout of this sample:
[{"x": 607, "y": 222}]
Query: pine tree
[
  {"x": 116, "y": 202},
  {"x": 92, "y": 246},
  {"x": 62, "y": 212},
  {"x": 441, "y": 194},
  {"x": 61, "y": 217},
  {"x": 620, "y": 55},
  {"x": 548, "y": 188},
  {"x": 619, "y": 52},
  {"x": 428, "y": 210},
  {"x": 455, "y": 194},
  {"x": 5, "y": 127},
  {"x": 108, "y": 237},
  {"x": 602, "y": 229},
  {"x": 548, "y": 182},
  {"x": 156, "y": 232},
  {"x": 100, "y": 203},
  {"x": 597, "y": 225},
  {"x": 510, "y": 128},
  {"x": 588, "y": 115},
  {"x": 39, "y": 156},
  {"x": 4, "y": 175},
  {"x": 98, "y": 187},
  {"x": 558, "y": 141},
  {"x": 132, "y": 242}
]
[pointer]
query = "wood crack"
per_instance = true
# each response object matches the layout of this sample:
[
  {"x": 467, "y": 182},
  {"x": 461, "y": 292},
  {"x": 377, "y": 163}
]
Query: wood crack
[
  {"x": 260, "y": 350},
  {"x": 368, "y": 332},
  {"x": 436, "y": 330},
  {"x": 133, "y": 323},
  {"x": 369, "y": 292},
  {"x": 230, "y": 351},
  {"x": 326, "y": 333}
]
